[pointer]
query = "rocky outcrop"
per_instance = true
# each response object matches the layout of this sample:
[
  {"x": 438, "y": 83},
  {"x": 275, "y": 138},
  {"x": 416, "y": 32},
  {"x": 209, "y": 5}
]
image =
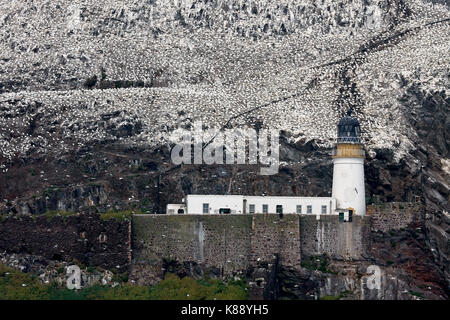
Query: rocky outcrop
[
  {"x": 88, "y": 107},
  {"x": 82, "y": 239},
  {"x": 51, "y": 271},
  {"x": 263, "y": 280},
  {"x": 406, "y": 268}
]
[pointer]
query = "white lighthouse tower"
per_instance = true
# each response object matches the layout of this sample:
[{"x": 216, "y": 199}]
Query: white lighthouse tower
[{"x": 348, "y": 169}]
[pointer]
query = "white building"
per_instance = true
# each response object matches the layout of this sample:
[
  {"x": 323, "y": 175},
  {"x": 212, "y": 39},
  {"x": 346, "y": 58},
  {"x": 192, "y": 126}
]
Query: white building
[
  {"x": 238, "y": 204},
  {"x": 348, "y": 191},
  {"x": 176, "y": 208}
]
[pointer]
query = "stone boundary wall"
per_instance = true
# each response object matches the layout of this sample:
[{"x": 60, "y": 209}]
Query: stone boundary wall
[
  {"x": 394, "y": 215},
  {"x": 230, "y": 243},
  {"x": 84, "y": 239},
  {"x": 340, "y": 240},
  {"x": 211, "y": 241},
  {"x": 274, "y": 236},
  {"x": 235, "y": 243}
]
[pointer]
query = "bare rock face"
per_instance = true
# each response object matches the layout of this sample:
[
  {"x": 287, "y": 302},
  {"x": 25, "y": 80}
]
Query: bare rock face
[
  {"x": 49, "y": 271},
  {"x": 81, "y": 239},
  {"x": 406, "y": 267},
  {"x": 89, "y": 102}
]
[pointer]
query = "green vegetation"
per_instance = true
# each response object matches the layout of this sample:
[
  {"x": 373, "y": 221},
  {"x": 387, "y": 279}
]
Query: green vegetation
[
  {"x": 119, "y": 215},
  {"x": 48, "y": 192},
  {"x": 146, "y": 205},
  {"x": 120, "y": 277},
  {"x": 417, "y": 294},
  {"x": 98, "y": 292},
  {"x": 393, "y": 243},
  {"x": 174, "y": 288},
  {"x": 373, "y": 200},
  {"x": 15, "y": 285},
  {"x": 343, "y": 294},
  {"x": 319, "y": 263},
  {"x": 122, "y": 215},
  {"x": 330, "y": 298},
  {"x": 57, "y": 213}
]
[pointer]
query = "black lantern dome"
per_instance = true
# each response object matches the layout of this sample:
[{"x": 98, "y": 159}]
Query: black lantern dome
[{"x": 349, "y": 130}]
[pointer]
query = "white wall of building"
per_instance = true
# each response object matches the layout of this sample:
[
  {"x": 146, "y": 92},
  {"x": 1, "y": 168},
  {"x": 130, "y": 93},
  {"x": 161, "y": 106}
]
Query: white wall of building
[
  {"x": 195, "y": 204},
  {"x": 172, "y": 208},
  {"x": 348, "y": 184}
]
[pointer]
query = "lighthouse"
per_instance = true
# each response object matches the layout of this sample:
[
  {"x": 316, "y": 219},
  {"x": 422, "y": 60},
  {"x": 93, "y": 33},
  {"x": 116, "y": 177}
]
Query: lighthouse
[{"x": 348, "y": 168}]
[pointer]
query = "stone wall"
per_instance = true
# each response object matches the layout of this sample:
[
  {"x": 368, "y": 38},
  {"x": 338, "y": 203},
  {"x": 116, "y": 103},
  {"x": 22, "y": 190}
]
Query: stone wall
[
  {"x": 210, "y": 241},
  {"x": 84, "y": 239},
  {"x": 236, "y": 243},
  {"x": 341, "y": 240},
  {"x": 273, "y": 236},
  {"x": 394, "y": 215},
  {"x": 230, "y": 243}
]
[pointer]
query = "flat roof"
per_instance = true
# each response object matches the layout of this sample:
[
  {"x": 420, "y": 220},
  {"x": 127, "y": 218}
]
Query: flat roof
[{"x": 245, "y": 196}]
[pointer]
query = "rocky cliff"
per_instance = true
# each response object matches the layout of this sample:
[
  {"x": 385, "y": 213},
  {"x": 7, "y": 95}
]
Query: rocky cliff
[{"x": 90, "y": 92}]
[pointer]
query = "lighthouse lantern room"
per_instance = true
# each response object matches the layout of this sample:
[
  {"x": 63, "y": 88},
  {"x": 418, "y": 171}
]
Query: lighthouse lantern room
[{"x": 348, "y": 169}]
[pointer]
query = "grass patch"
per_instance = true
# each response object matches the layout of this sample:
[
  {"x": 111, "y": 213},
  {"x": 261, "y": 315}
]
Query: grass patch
[
  {"x": 57, "y": 213},
  {"x": 174, "y": 288},
  {"x": 343, "y": 294},
  {"x": 330, "y": 298},
  {"x": 123, "y": 215},
  {"x": 15, "y": 285}
]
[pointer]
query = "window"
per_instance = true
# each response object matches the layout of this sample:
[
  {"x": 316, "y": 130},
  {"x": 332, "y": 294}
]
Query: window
[
  {"x": 265, "y": 208},
  {"x": 324, "y": 209},
  {"x": 279, "y": 209},
  {"x": 299, "y": 209},
  {"x": 308, "y": 209},
  {"x": 170, "y": 211},
  {"x": 180, "y": 211},
  {"x": 206, "y": 208},
  {"x": 224, "y": 210},
  {"x": 251, "y": 208}
]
